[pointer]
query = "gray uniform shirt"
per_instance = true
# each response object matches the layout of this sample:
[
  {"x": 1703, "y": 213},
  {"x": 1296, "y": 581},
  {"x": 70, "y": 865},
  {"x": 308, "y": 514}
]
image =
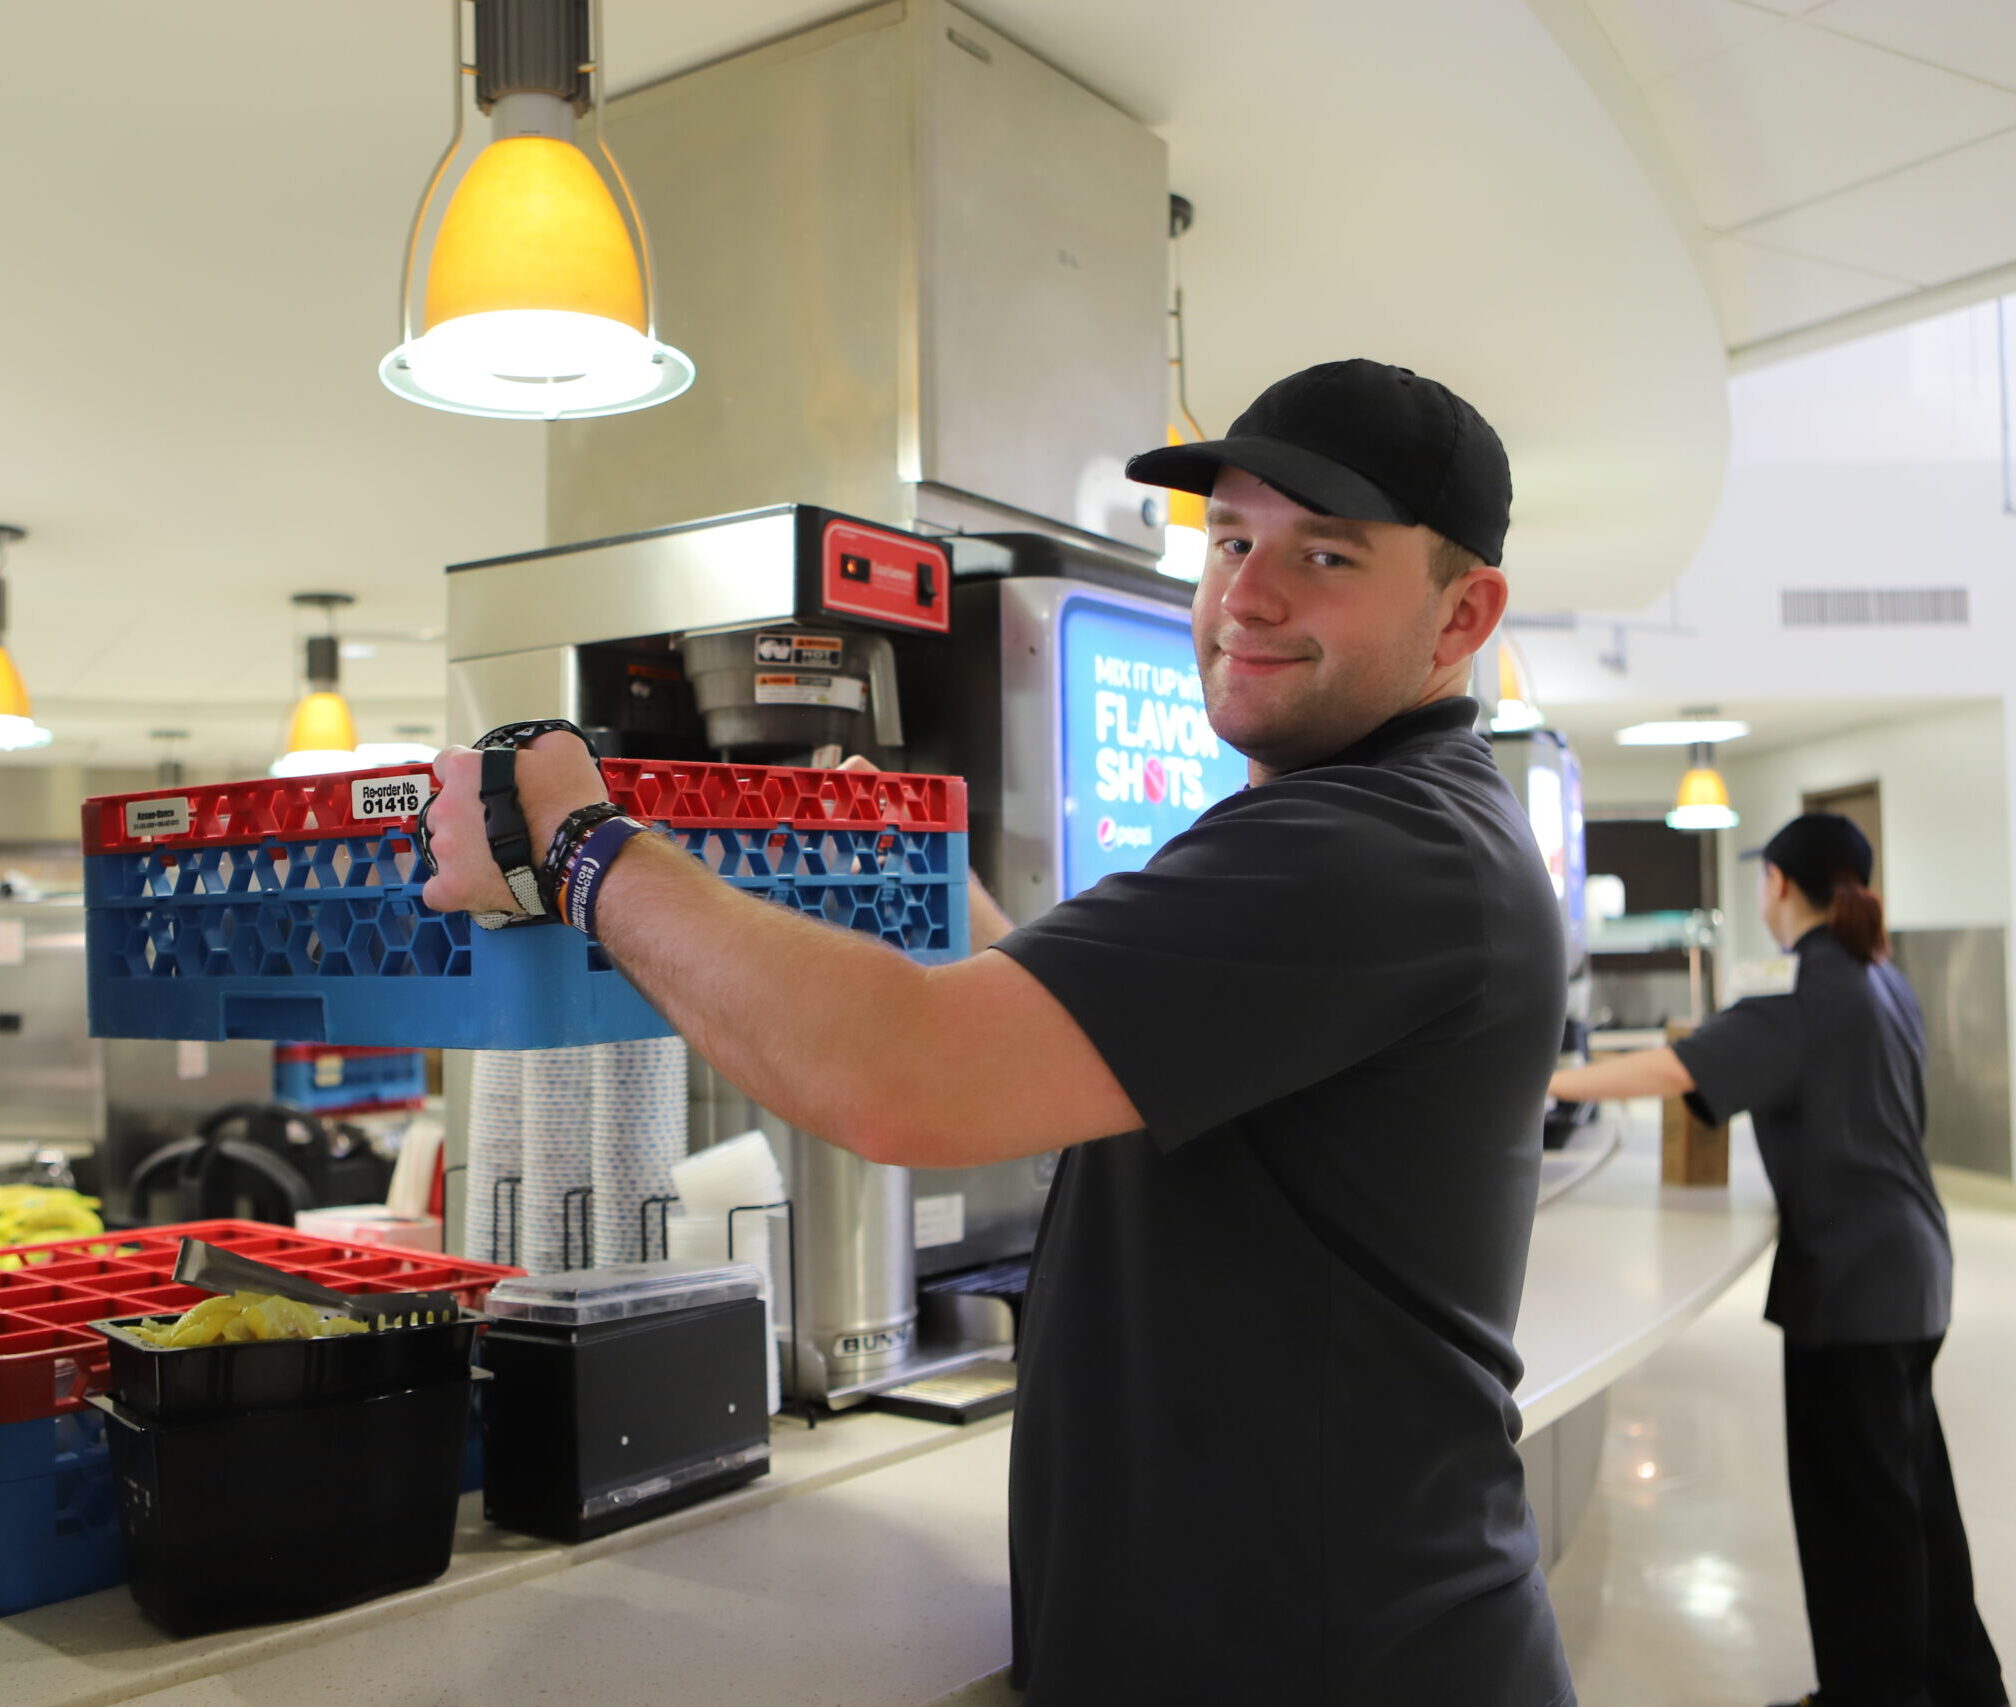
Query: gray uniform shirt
[{"x": 1833, "y": 1078}]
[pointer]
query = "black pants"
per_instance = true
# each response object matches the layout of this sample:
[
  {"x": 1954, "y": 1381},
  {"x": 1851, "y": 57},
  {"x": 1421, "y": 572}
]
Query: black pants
[{"x": 1889, "y": 1585}]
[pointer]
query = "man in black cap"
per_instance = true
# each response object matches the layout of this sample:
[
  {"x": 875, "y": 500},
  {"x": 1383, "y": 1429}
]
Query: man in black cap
[
  {"x": 1265, "y": 1444},
  {"x": 1833, "y": 1078}
]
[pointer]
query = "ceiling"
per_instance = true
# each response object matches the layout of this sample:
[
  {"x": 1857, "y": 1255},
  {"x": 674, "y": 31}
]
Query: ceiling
[
  {"x": 1592, "y": 727},
  {"x": 1568, "y": 208},
  {"x": 1847, "y": 163}
]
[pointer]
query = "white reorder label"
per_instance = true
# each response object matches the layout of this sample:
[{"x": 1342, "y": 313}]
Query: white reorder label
[
  {"x": 940, "y": 1220},
  {"x": 846, "y": 693},
  {"x": 169, "y": 817},
  {"x": 389, "y": 796}
]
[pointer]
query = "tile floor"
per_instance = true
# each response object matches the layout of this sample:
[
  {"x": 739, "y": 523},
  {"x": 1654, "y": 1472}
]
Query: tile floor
[{"x": 1682, "y": 1587}]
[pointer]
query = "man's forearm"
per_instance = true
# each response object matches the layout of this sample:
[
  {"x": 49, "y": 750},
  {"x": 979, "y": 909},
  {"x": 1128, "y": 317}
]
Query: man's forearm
[
  {"x": 1643, "y": 1073},
  {"x": 816, "y": 1024}
]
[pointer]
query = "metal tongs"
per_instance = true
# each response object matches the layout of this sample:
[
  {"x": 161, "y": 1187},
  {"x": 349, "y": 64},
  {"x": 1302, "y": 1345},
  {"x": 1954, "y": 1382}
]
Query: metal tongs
[{"x": 215, "y": 1269}]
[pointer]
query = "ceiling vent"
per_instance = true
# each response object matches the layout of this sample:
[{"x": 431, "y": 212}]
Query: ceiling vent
[{"x": 1873, "y": 607}]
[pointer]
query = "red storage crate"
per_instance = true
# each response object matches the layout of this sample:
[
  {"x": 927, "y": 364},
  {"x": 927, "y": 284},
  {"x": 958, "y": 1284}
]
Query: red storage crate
[{"x": 49, "y": 1357}]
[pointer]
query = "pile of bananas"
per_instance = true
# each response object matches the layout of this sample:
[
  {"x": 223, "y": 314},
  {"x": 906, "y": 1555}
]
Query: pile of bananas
[{"x": 41, "y": 1214}]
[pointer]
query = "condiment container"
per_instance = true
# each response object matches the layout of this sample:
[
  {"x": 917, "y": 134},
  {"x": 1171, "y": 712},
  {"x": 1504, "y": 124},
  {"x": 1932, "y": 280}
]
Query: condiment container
[{"x": 620, "y": 1394}]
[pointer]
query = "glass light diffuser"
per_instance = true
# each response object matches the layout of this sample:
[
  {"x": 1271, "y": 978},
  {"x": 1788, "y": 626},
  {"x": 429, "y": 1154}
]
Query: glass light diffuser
[{"x": 528, "y": 276}]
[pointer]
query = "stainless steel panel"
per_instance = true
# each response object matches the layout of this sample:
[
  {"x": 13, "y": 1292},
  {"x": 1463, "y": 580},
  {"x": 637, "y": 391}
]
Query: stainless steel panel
[
  {"x": 51, "y": 1087},
  {"x": 514, "y": 687},
  {"x": 719, "y": 573},
  {"x": 158, "y": 1090},
  {"x": 778, "y": 190},
  {"x": 894, "y": 260},
  {"x": 1961, "y": 980},
  {"x": 1044, "y": 280}
]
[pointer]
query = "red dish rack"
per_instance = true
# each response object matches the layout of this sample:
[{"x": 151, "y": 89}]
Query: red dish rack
[{"x": 50, "y": 1359}]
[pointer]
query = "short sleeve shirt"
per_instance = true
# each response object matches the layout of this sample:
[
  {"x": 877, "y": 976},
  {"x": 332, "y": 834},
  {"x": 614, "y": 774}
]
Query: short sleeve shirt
[
  {"x": 1833, "y": 1079},
  {"x": 1265, "y": 1446}
]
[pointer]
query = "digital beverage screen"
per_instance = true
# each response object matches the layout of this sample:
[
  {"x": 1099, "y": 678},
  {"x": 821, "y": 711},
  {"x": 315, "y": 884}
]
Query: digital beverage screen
[{"x": 1140, "y": 759}]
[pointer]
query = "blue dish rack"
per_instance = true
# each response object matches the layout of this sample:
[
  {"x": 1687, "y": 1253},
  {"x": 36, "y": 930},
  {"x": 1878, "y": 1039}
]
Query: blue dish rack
[
  {"x": 267, "y": 910},
  {"x": 59, "y": 1511}
]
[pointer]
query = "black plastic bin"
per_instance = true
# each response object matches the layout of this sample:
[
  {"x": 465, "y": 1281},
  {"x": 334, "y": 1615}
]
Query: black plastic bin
[
  {"x": 185, "y": 1383},
  {"x": 274, "y": 1514}
]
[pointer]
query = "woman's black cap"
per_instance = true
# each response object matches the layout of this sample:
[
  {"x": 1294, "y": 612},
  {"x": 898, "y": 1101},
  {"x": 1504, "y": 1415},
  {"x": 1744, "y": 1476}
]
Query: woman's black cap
[
  {"x": 1364, "y": 441},
  {"x": 1814, "y": 850}
]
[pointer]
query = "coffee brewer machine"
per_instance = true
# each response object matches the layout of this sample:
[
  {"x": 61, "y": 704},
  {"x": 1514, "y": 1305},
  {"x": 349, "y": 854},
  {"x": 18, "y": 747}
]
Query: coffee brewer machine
[{"x": 1058, "y": 679}]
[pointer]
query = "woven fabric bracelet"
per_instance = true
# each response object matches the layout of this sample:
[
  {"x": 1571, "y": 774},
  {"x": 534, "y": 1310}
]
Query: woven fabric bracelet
[
  {"x": 567, "y": 840},
  {"x": 590, "y": 864}
]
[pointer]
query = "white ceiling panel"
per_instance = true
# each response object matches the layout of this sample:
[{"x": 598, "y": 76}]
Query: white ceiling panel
[
  {"x": 1977, "y": 37},
  {"x": 1790, "y": 8},
  {"x": 1765, "y": 292},
  {"x": 1798, "y": 113},
  {"x": 1946, "y": 219},
  {"x": 1655, "y": 38}
]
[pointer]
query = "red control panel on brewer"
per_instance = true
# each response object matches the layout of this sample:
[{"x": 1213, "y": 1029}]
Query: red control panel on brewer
[{"x": 891, "y": 578}]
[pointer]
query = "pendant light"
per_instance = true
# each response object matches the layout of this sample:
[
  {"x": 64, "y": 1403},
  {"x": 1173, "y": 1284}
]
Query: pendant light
[
  {"x": 18, "y": 728},
  {"x": 527, "y": 291},
  {"x": 1184, "y": 536},
  {"x": 321, "y": 735},
  {"x": 1703, "y": 800}
]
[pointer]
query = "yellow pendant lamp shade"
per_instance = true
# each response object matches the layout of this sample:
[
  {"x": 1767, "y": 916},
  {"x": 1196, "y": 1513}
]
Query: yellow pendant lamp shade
[
  {"x": 532, "y": 226},
  {"x": 1186, "y": 509},
  {"x": 13, "y": 690},
  {"x": 1703, "y": 786},
  {"x": 1703, "y": 802},
  {"x": 322, "y": 724}
]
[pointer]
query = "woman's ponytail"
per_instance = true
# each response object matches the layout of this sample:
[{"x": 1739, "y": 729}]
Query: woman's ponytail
[{"x": 1855, "y": 916}]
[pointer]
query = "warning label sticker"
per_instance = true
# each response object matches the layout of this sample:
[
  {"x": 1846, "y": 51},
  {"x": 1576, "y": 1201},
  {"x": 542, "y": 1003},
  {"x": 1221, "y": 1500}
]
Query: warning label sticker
[
  {"x": 158, "y": 817},
  {"x": 844, "y": 693},
  {"x": 814, "y": 651},
  {"x": 389, "y": 796}
]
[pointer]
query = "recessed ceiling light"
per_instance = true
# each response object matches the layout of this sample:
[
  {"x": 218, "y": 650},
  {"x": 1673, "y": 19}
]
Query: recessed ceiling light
[{"x": 1683, "y": 732}]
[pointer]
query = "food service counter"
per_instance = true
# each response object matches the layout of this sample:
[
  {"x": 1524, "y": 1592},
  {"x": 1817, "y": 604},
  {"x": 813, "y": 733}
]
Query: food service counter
[{"x": 870, "y": 1569}]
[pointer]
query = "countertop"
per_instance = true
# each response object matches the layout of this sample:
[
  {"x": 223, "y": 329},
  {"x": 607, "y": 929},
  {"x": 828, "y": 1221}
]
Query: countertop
[{"x": 869, "y": 1569}]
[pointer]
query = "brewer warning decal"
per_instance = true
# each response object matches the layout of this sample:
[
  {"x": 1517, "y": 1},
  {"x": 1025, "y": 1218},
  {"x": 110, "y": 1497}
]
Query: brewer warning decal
[
  {"x": 168, "y": 817},
  {"x": 842, "y": 693},
  {"x": 389, "y": 796},
  {"x": 813, "y": 651}
]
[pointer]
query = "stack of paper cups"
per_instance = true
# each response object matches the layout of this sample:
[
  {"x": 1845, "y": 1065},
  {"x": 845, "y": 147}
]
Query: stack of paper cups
[
  {"x": 554, "y": 1223},
  {"x": 639, "y": 1134},
  {"x": 496, "y": 1082}
]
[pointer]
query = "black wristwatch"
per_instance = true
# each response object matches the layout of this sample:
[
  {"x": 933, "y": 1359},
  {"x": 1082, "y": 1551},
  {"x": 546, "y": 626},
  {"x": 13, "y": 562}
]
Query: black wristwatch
[{"x": 504, "y": 823}]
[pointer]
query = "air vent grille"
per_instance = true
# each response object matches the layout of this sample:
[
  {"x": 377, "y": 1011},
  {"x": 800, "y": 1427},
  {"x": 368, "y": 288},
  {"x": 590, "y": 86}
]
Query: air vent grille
[{"x": 1873, "y": 607}]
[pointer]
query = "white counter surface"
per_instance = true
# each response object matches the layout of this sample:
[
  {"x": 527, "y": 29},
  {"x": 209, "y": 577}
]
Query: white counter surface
[{"x": 870, "y": 1568}]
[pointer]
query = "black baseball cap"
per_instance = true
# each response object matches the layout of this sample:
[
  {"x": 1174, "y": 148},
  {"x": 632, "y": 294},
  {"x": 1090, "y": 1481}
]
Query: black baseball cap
[
  {"x": 1365, "y": 441},
  {"x": 1815, "y": 849}
]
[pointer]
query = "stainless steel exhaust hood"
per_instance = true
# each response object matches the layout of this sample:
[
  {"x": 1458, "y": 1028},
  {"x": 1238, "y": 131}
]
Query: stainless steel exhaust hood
[{"x": 923, "y": 276}]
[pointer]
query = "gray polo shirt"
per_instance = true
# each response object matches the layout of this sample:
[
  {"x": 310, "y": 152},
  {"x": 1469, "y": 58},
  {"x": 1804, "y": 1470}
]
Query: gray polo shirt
[
  {"x": 1264, "y": 1449},
  {"x": 1833, "y": 1078}
]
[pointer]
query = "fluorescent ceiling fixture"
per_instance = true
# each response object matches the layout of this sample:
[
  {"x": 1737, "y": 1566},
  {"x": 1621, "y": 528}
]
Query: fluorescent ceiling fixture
[{"x": 1682, "y": 733}]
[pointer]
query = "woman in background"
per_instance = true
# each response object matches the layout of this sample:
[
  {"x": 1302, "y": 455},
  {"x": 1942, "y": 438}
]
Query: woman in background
[{"x": 1833, "y": 1078}]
